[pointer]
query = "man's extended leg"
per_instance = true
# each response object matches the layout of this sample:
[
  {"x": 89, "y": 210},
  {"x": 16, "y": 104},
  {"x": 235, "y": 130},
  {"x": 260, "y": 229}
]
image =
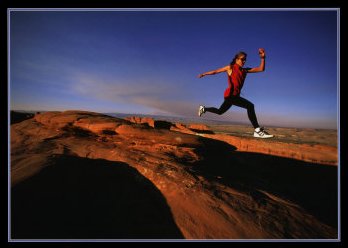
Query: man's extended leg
[
  {"x": 244, "y": 103},
  {"x": 223, "y": 108},
  {"x": 259, "y": 132}
]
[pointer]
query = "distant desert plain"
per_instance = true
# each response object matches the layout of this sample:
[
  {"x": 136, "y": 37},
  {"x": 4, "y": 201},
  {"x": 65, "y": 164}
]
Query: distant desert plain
[{"x": 86, "y": 175}]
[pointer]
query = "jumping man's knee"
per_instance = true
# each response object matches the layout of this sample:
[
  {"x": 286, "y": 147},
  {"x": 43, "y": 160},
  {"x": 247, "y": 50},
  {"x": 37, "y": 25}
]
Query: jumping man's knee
[
  {"x": 251, "y": 106},
  {"x": 220, "y": 112}
]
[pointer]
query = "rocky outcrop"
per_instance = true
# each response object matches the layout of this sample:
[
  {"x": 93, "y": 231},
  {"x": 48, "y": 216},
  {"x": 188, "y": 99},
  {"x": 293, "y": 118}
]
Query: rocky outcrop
[
  {"x": 207, "y": 188},
  {"x": 200, "y": 128},
  {"x": 159, "y": 124}
]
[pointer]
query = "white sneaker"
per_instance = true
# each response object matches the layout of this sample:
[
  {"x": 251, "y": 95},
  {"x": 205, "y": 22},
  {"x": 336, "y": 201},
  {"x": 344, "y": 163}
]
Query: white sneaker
[
  {"x": 261, "y": 133},
  {"x": 201, "y": 110}
]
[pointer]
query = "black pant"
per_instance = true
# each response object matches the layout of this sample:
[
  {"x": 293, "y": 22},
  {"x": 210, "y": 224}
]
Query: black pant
[{"x": 240, "y": 102}]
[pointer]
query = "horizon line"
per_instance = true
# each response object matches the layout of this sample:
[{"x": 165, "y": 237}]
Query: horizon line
[{"x": 199, "y": 120}]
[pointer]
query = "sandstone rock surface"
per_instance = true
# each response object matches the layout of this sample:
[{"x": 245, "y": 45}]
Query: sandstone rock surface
[{"x": 203, "y": 187}]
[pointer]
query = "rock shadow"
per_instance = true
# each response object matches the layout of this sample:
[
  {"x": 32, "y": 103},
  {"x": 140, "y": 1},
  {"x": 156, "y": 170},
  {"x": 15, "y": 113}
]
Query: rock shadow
[
  {"x": 81, "y": 198},
  {"x": 312, "y": 186},
  {"x": 17, "y": 117},
  {"x": 201, "y": 131},
  {"x": 162, "y": 124}
]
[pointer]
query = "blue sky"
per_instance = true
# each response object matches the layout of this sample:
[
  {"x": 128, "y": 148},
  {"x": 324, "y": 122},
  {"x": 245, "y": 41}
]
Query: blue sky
[{"x": 147, "y": 62}]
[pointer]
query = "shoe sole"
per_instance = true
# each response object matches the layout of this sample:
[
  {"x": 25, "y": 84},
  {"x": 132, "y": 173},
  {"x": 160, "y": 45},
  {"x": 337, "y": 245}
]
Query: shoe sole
[{"x": 263, "y": 137}]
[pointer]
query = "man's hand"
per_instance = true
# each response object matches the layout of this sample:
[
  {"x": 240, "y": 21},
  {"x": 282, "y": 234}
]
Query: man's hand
[
  {"x": 200, "y": 75},
  {"x": 262, "y": 53}
]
